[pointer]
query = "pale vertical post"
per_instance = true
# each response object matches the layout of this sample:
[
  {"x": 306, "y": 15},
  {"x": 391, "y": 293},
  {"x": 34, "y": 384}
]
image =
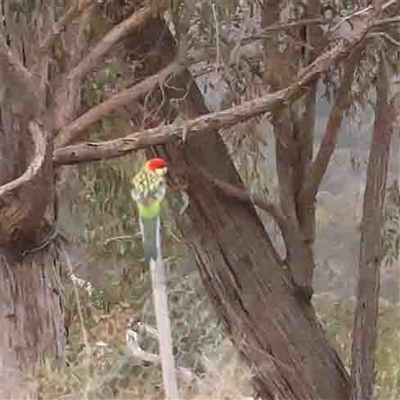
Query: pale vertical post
[{"x": 160, "y": 297}]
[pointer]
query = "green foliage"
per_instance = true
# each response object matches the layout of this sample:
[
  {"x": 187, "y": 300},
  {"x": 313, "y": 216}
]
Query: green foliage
[{"x": 337, "y": 319}]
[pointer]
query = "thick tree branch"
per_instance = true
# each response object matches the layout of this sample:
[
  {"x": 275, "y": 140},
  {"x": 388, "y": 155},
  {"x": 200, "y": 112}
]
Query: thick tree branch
[
  {"x": 91, "y": 151},
  {"x": 328, "y": 144},
  {"x": 137, "y": 19},
  {"x": 71, "y": 132},
  {"x": 95, "y": 151},
  {"x": 213, "y": 121}
]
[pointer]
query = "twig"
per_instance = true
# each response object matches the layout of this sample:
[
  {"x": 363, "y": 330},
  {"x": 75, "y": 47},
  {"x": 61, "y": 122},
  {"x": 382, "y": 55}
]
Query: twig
[
  {"x": 78, "y": 302},
  {"x": 136, "y": 20}
]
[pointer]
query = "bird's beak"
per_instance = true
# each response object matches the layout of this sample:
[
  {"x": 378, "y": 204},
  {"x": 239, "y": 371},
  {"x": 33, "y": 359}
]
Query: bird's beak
[{"x": 162, "y": 171}]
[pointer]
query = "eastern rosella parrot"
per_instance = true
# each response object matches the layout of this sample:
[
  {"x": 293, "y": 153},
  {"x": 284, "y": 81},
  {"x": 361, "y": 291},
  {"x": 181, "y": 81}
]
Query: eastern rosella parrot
[{"x": 148, "y": 190}]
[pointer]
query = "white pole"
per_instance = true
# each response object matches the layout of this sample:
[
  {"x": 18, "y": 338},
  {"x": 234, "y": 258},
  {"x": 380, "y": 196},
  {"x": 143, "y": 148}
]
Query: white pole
[{"x": 158, "y": 279}]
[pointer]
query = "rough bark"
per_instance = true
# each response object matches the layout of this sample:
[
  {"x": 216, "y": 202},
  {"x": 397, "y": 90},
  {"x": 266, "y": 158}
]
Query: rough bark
[
  {"x": 32, "y": 319},
  {"x": 254, "y": 296},
  {"x": 31, "y": 296},
  {"x": 31, "y": 299},
  {"x": 293, "y": 129},
  {"x": 275, "y": 329},
  {"x": 366, "y": 315}
]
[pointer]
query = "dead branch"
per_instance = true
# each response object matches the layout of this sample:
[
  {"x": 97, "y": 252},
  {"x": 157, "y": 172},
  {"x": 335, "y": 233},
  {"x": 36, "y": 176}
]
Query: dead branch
[
  {"x": 71, "y": 132},
  {"x": 137, "y": 352},
  {"x": 135, "y": 20},
  {"x": 363, "y": 15},
  {"x": 73, "y": 12},
  {"x": 328, "y": 144}
]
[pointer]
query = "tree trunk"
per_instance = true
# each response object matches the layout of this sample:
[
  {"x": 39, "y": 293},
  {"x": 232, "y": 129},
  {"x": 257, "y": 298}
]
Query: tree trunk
[
  {"x": 272, "y": 326},
  {"x": 32, "y": 319},
  {"x": 31, "y": 297},
  {"x": 366, "y": 315}
]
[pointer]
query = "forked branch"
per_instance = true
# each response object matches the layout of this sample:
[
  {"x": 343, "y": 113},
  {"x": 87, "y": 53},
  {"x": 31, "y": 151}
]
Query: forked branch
[{"x": 328, "y": 144}]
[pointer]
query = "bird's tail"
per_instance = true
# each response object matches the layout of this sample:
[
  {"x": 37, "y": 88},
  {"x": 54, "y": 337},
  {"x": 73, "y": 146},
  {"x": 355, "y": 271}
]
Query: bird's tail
[{"x": 150, "y": 229}]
